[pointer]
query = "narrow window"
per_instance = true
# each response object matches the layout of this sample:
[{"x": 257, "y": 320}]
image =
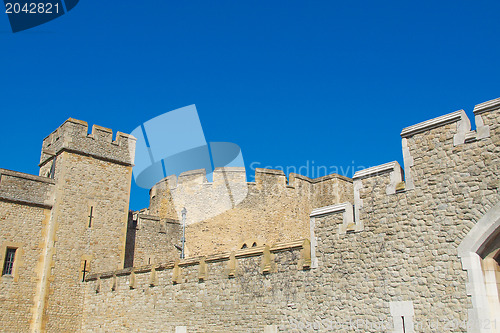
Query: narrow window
[
  {"x": 254, "y": 244},
  {"x": 403, "y": 319},
  {"x": 8, "y": 265},
  {"x": 52, "y": 172},
  {"x": 244, "y": 246},
  {"x": 91, "y": 216},
  {"x": 84, "y": 271}
]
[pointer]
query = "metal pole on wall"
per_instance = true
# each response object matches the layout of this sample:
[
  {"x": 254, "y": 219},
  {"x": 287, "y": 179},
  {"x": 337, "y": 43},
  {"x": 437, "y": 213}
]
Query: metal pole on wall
[{"x": 183, "y": 239}]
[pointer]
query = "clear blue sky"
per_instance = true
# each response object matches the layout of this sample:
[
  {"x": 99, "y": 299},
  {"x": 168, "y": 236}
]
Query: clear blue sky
[{"x": 288, "y": 81}]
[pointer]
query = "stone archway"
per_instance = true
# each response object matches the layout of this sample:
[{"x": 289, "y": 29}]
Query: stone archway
[
  {"x": 491, "y": 272},
  {"x": 479, "y": 252}
]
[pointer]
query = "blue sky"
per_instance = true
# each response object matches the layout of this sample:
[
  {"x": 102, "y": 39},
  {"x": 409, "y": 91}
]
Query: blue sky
[{"x": 288, "y": 81}]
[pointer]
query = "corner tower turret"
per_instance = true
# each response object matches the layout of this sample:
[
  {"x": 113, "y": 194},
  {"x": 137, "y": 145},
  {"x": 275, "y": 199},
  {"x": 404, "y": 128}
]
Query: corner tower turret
[
  {"x": 87, "y": 228},
  {"x": 72, "y": 136}
]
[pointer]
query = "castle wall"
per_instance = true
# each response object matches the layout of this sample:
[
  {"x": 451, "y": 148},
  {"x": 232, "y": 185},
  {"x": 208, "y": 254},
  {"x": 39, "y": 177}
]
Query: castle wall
[
  {"x": 225, "y": 214},
  {"x": 21, "y": 188},
  {"x": 357, "y": 280},
  {"x": 21, "y": 226},
  {"x": 25, "y": 203},
  {"x": 358, "y": 276},
  {"x": 151, "y": 240},
  {"x": 390, "y": 262},
  {"x": 383, "y": 251},
  {"x": 215, "y": 303}
]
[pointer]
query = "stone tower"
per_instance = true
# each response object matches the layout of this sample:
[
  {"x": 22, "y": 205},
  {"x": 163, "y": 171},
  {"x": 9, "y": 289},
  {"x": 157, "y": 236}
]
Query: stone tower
[{"x": 87, "y": 227}]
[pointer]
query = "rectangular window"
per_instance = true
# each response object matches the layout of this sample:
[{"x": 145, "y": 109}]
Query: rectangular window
[{"x": 8, "y": 265}]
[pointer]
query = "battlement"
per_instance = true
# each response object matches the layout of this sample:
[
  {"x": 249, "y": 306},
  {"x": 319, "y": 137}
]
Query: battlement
[
  {"x": 259, "y": 254},
  {"x": 267, "y": 254},
  {"x": 199, "y": 176},
  {"x": 436, "y": 144},
  {"x": 229, "y": 188},
  {"x": 272, "y": 209},
  {"x": 462, "y": 131},
  {"x": 237, "y": 175},
  {"x": 442, "y": 134},
  {"x": 438, "y": 135},
  {"x": 487, "y": 106},
  {"x": 73, "y": 136}
]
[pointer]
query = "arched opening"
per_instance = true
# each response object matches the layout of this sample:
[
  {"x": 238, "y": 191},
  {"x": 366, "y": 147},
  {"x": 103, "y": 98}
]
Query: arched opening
[
  {"x": 491, "y": 272},
  {"x": 479, "y": 252},
  {"x": 249, "y": 243}
]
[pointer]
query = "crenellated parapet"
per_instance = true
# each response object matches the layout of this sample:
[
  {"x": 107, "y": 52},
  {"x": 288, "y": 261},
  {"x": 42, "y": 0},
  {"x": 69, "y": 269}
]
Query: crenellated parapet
[
  {"x": 272, "y": 209},
  {"x": 229, "y": 188},
  {"x": 201, "y": 198},
  {"x": 428, "y": 144},
  {"x": 73, "y": 136},
  {"x": 487, "y": 115},
  {"x": 203, "y": 268},
  {"x": 433, "y": 152},
  {"x": 440, "y": 217}
]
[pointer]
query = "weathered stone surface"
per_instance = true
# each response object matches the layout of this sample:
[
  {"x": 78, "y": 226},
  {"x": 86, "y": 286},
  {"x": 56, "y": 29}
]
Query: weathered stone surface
[
  {"x": 312, "y": 260},
  {"x": 271, "y": 210},
  {"x": 406, "y": 253},
  {"x": 72, "y": 218}
]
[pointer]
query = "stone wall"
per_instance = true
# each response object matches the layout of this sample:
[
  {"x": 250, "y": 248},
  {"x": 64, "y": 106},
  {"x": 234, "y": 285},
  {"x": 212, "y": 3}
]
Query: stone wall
[
  {"x": 228, "y": 292},
  {"x": 151, "y": 240},
  {"x": 21, "y": 227},
  {"x": 383, "y": 251},
  {"x": 22, "y": 188},
  {"x": 73, "y": 135},
  {"x": 229, "y": 212},
  {"x": 25, "y": 203},
  {"x": 389, "y": 262}
]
